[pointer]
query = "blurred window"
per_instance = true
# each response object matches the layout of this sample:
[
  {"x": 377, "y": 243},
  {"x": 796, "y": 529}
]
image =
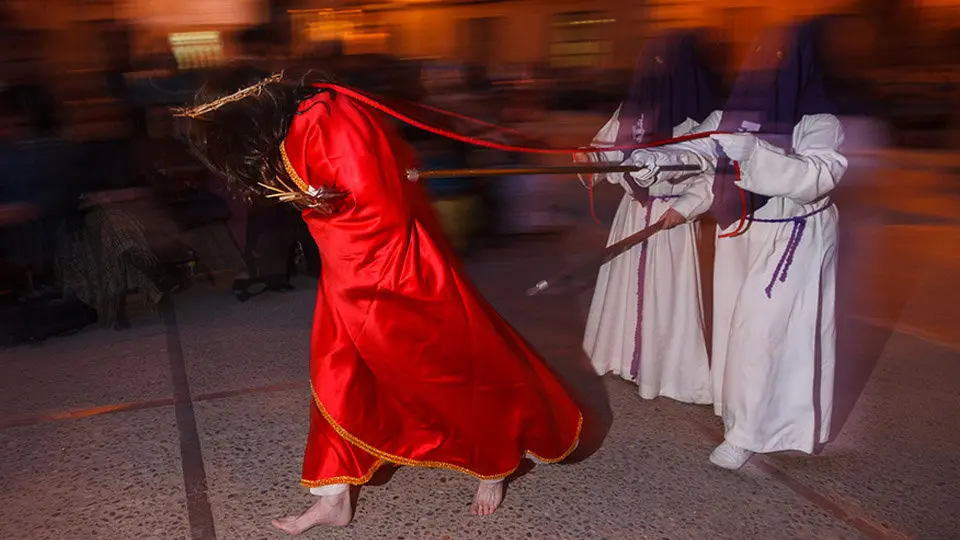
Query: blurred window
[
  {"x": 195, "y": 50},
  {"x": 581, "y": 39},
  {"x": 360, "y": 32}
]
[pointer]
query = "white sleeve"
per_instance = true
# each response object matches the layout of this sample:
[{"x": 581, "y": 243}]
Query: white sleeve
[
  {"x": 811, "y": 172},
  {"x": 697, "y": 196},
  {"x": 685, "y": 127},
  {"x": 699, "y": 152},
  {"x": 605, "y": 138}
]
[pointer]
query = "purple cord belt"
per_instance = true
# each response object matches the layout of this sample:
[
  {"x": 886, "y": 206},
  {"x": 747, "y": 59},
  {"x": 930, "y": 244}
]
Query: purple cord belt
[
  {"x": 638, "y": 337},
  {"x": 796, "y": 234}
]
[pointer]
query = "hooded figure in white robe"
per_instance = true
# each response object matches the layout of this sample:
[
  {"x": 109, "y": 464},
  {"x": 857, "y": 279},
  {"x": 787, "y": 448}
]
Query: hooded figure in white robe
[
  {"x": 646, "y": 320},
  {"x": 774, "y": 325}
]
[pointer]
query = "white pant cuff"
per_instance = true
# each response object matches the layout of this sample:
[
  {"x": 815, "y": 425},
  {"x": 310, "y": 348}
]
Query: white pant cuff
[{"x": 328, "y": 491}]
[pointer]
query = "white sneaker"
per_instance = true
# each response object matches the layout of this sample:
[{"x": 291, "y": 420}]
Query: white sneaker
[{"x": 729, "y": 456}]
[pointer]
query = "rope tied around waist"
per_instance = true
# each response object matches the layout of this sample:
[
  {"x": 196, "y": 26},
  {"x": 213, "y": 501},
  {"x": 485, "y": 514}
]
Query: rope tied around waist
[{"x": 796, "y": 235}]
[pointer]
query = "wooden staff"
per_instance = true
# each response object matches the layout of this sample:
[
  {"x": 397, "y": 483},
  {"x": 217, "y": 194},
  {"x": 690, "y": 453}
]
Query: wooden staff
[
  {"x": 597, "y": 261},
  {"x": 414, "y": 175}
]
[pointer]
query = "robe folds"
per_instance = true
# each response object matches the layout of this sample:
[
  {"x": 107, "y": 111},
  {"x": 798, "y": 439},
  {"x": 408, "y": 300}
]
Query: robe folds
[
  {"x": 774, "y": 326},
  {"x": 408, "y": 365},
  {"x": 646, "y": 320}
]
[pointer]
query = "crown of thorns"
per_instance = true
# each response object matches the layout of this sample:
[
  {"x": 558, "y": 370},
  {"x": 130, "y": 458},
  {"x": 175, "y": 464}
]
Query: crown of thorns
[
  {"x": 323, "y": 200},
  {"x": 206, "y": 108}
]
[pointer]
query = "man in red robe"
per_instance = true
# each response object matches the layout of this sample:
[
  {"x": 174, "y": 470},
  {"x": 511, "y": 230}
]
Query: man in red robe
[{"x": 409, "y": 365}]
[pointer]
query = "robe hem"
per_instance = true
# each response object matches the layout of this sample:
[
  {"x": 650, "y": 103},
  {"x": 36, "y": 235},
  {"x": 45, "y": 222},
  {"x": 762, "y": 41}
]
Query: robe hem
[
  {"x": 400, "y": 460},
  {"x": 656, "y": 394},
  {"x": 684, "y": 400},
  {"x": 766, "y": 449}
]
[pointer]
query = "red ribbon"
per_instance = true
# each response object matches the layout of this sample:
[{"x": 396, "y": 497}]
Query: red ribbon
[
  {"x": 743, "y": 207},
  {"x": 377, "y": 103}
]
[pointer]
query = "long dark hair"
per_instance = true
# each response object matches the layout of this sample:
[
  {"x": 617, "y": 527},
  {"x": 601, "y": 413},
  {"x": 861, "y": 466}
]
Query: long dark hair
[{"x": 241, "y": 140}]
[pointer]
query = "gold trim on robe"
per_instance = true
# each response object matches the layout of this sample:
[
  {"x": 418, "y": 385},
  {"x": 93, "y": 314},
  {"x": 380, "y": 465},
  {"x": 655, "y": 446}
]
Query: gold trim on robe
[{"x": 400, "y": 460}]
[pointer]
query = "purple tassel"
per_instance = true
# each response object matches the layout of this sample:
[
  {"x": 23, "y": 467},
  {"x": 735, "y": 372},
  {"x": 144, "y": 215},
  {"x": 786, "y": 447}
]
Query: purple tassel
[{"x": 786, "y": 260}]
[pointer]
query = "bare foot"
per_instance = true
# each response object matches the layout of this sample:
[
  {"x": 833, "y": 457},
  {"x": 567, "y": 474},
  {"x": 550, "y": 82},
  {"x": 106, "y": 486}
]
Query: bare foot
[
  {"x": 333, "y": 511},
  {"x": 488, "y": 499}
]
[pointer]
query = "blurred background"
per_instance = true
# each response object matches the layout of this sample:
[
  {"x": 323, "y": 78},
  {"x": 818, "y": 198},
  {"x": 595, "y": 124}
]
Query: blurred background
[{"x": 101, "y": 204}]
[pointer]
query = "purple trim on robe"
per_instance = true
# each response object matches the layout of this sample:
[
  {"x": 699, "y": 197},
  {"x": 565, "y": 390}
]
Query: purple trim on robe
[{"x": 641, "y": 275}]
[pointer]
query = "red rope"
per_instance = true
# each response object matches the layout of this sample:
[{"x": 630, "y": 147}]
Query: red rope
[
  {"x": 375, "y": 102},
  {"x": 472, "y": 120},
  {"x": 743, "y": 206},
  {"x": 591, "y": 182},
  {"x": 593, "y": 208}
]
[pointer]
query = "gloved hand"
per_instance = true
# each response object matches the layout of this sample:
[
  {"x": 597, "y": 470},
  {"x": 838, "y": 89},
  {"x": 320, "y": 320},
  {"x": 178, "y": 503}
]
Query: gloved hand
[
  {"x": 646, "y": 159},
  {"x": 738, "y": 147}
]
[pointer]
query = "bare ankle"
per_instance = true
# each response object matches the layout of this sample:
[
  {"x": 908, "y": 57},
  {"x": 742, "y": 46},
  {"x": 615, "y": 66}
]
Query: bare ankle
[
  {"x": 328, "y": 510},
  {"x": 488, "y": 498}
]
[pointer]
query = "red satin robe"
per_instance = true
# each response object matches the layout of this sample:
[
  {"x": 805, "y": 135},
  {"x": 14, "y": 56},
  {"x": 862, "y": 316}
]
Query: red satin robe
[{"x": 409, "y": 365}]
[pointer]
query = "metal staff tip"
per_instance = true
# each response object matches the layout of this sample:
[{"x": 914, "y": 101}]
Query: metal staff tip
[{"x": 541, "y": 286}]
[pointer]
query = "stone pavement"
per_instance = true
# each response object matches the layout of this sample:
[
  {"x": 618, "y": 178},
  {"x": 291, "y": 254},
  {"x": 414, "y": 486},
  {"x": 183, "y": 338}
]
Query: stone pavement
[{"x": 192, "y": 424}]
